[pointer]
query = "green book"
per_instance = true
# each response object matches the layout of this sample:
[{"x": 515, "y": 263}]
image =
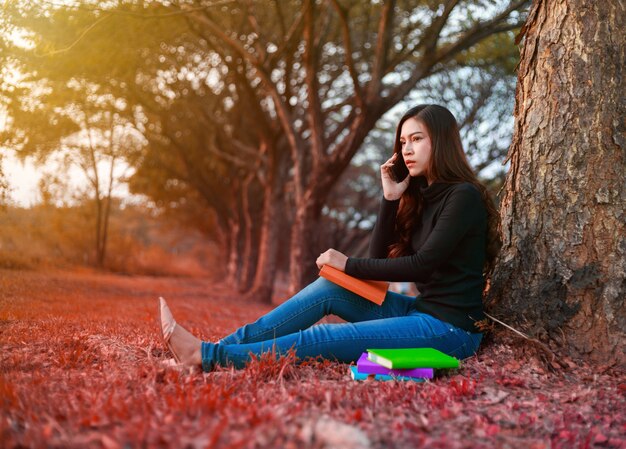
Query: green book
[{"x": 403, "y": 358}]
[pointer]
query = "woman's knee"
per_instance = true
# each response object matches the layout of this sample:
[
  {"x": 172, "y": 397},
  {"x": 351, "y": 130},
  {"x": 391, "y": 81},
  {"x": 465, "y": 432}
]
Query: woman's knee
[
  {"x": 324, "y": 293},
  {"x": 321, "y": 288},
  {"x": 317, "y": 292}
]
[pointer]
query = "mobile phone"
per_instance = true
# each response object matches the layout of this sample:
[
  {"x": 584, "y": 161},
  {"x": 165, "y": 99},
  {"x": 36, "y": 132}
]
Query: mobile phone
[{"x": 398, "y": 170}]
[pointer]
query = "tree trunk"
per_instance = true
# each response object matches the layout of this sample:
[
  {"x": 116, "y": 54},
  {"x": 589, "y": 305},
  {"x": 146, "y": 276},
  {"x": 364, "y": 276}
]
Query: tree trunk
[
  {"x": 98, "y": 242},
  {"x": 272, "y": 223},
  {"x": 563, "y": 262},
  {"x": 248, "y": 258},
  {"x": 107, "y": 209},
  {"x": 305, "y": 241},
  {"x": 235, "y": 229},
  {"x": 304, "y": 245},
  {"x": 232, "y": 268},
  {"x": 105, "y": 231}
]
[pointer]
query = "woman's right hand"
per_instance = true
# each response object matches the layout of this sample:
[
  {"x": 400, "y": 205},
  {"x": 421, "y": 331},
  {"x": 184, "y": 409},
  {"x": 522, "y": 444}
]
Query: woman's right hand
[{"x": 392, "y": 190}]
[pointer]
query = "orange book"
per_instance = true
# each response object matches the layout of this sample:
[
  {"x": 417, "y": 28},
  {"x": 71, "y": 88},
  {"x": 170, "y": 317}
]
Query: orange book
[{"x": 374, "y": 291}]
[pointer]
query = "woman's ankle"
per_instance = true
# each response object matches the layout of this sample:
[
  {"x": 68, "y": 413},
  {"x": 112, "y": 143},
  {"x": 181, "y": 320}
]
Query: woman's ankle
[{"x": 188, "y": 348}]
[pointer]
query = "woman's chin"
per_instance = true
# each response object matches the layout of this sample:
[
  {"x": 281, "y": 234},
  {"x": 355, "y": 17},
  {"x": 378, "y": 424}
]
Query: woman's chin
[{"x": 415, "y": 172}]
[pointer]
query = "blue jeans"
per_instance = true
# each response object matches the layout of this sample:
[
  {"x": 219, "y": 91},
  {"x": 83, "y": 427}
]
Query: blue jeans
[{"x": 395, "y": 324}]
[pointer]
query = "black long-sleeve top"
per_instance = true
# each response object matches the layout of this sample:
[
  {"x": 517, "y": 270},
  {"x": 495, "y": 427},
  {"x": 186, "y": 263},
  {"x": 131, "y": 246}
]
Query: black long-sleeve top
[{"x": 449, "y": 253}]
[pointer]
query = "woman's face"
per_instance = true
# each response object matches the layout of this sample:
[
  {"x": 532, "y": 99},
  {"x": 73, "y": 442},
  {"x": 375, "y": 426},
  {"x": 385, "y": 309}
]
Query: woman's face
[{"x": 416, "y": 146}]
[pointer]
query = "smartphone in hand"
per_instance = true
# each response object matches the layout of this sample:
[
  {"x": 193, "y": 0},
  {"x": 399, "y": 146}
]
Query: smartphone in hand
[{"x": 399, "y": 171}]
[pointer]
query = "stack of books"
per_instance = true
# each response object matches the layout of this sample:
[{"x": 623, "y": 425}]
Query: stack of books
[{"x": 415, "y": 364}]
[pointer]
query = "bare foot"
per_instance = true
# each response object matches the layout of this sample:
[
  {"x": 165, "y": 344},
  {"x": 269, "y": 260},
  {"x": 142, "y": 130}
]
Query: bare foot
[{"x": 187, "y": 347}]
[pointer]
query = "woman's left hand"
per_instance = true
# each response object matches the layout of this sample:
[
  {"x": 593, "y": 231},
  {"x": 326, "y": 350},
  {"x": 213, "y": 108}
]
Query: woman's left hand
[{"x": 333, "y": 258}]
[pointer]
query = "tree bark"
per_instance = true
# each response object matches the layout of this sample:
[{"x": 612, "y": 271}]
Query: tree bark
[
  {"x": 232, "y": 268},
  {"x": 98, "y": 241},
  {"x": 304, "y": 243},
  {"x": 248, "y": 259},
  {"x": 272, "y": 224},
  {"x": 563, "y": 263}
]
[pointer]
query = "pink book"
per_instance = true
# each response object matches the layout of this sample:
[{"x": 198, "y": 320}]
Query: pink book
[{"x": 366, "y": 366}]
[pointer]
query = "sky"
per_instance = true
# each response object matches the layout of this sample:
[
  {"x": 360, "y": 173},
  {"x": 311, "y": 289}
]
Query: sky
[{"x": 22, "y": 179}]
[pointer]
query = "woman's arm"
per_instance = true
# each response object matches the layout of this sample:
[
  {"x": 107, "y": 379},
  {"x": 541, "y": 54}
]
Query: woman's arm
[
  {"x": 463, "y": 209},
  {"x": 384, "y": 229},
  {"x": 381, "y": 238},
  {"x": 382, "y": 235}
]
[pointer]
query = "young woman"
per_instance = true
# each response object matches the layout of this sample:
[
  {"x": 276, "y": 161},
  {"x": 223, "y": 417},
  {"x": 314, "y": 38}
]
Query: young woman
[{"x": 437, "y": 227}]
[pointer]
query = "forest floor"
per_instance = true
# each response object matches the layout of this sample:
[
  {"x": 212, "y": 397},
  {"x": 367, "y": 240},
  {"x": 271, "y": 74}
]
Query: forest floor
[{"x": 81, "y": 365}]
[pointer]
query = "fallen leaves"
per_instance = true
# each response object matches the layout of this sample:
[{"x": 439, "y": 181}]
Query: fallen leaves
[
  {"x": 328, "y": 432},
  {"x": 492, "y": 396},
  {"x": 81, "y": 366}
]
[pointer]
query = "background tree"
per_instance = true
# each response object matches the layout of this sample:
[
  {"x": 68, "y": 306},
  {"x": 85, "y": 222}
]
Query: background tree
[
  {"x": 60, "y": 108},
  {"x": 4, "y": 187},
  {"x": 84, "y": 128},
  {"x": 104, "y": 149},
  {"x": 561, "y": 271},
  {"x": 225, "y": 149},
  {"x": 186, "y": 119}
]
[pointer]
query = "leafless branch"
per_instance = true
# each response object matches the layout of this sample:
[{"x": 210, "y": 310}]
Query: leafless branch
[
  {"x": 310, "y": 64},
  {"x": 382, "y": 47},
  {"x": 281, "y": 109},
  {"x": 479, "y": 31},
  {"x": 343, "y": 20},
  {"x": 433, "y": 32}
]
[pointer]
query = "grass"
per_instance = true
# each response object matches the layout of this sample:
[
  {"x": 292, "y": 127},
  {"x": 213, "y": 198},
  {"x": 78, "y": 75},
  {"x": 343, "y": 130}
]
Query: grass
[{"x": 81, "y": 365}]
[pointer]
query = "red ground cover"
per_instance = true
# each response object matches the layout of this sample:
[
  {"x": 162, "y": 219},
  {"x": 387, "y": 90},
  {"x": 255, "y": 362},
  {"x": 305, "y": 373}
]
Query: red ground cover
[{"x": 81, "y": 365}]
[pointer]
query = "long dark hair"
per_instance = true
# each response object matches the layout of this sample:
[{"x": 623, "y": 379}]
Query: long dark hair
[{"x": 449, "y": 164}]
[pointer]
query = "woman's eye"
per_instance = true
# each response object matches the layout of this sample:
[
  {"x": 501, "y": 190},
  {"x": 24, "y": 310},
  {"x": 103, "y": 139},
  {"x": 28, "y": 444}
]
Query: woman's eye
[
  {"x": 416, "y": 139},
  {"x": 402, "y": 143}
]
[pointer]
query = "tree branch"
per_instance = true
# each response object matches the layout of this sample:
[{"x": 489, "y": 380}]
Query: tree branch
[
  {"x": 310, "y": 63},
  {"x": 433, "y": 32},
  {"x": 382, "y": 47},
  {"x": 281, "y": 110},
  {"x": 472, "y": 36},
  {"x": 257, "y": 30},
  {"x": 289, "y": 37},
  {"x": 345, "y": 29}
]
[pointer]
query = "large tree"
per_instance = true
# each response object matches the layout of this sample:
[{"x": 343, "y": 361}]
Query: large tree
[{"x": 562, "y": 271}]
